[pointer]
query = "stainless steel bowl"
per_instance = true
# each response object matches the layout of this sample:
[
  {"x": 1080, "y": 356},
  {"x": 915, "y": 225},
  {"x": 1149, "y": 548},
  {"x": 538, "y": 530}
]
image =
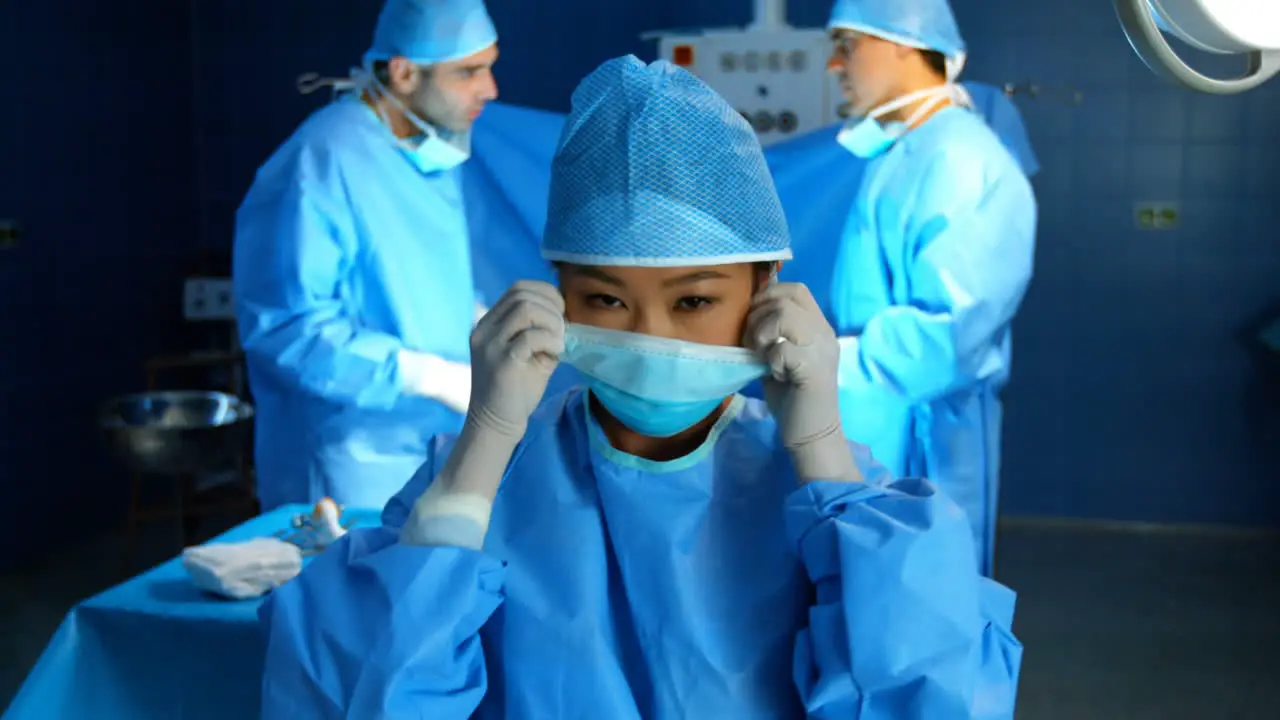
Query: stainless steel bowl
[{"x": 177, "y": 432}]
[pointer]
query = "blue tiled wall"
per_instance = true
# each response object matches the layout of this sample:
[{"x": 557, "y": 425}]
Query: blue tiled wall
[
  {"x": 1137, "y": 394},
  {"x": 95, "y": 163},
  {"x": 134, "y": 129}
]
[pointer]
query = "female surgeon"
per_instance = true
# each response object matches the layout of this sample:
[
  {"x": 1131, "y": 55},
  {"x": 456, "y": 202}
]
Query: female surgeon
[{"x": 655, "y": 545}]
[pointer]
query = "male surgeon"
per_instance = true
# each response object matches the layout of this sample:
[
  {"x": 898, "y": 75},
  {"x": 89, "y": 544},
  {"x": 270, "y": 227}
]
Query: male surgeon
[
  {"x": 352, "y": 266},
  {"x": 934, "y": 260}
]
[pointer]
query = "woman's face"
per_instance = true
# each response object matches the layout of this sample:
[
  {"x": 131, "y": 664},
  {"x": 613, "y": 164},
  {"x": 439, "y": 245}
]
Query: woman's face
[{"x": 707, "y": 305}]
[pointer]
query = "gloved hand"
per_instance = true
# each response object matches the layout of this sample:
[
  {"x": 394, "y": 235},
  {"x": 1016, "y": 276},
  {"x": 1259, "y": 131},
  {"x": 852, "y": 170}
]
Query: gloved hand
[
  {"x": 434, "y": 377},
  {"x": 514, "y": 349},
  {"x": 787, "y": 329}
]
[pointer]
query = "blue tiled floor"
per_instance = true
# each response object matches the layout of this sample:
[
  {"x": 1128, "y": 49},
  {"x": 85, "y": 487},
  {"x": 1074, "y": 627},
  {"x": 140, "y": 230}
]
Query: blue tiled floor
[{"x": 1131, "y": 626}]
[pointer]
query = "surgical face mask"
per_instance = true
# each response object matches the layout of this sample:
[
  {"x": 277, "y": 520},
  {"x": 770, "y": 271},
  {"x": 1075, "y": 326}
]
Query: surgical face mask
[
  {"x": 434, "y": 150},
  {"x": 867, "y": 137},
  {"x": 658, "y": 387}
]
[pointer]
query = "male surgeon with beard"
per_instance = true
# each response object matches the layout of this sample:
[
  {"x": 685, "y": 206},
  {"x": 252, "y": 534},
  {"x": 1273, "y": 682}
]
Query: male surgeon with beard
[{"x": 352, "y": 270}]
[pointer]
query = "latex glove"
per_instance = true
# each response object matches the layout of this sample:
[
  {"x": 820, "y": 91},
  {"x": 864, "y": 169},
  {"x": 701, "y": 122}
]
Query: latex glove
[
  {"x": 434, "y": 377},
  {"x": 514, "y": 350},
  {"x": 788, "y": 330}
]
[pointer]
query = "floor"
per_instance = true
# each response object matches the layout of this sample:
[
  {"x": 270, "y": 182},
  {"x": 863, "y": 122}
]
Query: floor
[
  {"x": 1123, "y": 626},
  {"x": 1137, "y": 626}
]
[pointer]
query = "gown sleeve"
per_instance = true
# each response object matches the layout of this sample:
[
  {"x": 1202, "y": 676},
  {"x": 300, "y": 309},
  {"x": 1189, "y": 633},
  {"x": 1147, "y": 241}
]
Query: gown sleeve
[
  {"x": 294, "y": 245},
  {"x": 903, "y": 626},
  {"x": 374, "y": 628},
  {"x": 972, "y": 235}
]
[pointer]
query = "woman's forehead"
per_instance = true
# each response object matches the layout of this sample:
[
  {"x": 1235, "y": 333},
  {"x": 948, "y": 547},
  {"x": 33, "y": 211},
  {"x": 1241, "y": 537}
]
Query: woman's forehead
[{"x": 632, "y": 276}]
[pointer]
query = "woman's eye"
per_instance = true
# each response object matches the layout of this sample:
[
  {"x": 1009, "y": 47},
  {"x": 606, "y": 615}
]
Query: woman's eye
[
  {"x": 604, "y": 301},
  {"x": 694, "y": 303}
]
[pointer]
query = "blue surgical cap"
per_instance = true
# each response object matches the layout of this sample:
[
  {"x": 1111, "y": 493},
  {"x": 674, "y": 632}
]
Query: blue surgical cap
[
  {"x": 924, "y": 24},
  {"x": 431, "y": 31},
  {"x": 655, "y": 169}
]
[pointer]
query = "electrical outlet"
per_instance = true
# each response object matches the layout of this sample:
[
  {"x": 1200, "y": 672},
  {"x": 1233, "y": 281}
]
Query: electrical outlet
[
  {"x": 9, "y": 235},
  {"x": 1157, "y": 215},
  {"x": 208, "y": 299}
]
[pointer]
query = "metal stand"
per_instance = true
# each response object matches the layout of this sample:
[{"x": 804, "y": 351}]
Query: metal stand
[{"x": 185, "y": 506}]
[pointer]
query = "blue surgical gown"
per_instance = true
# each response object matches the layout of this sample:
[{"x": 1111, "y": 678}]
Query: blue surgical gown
[
  {"x": 932, "y": 266},
  {"x": 711, "y": 586},
  {"x": 344, "y": 254}
]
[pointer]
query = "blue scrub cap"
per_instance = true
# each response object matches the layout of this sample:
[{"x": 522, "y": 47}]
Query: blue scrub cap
[
  {"x": 431, "y": 31},
  {"x": 655, "y": 169},
  {"x": 924, "y": 24}
]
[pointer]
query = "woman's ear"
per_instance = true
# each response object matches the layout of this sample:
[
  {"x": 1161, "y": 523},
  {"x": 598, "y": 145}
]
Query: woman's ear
[
  {"x": 762, "y": 273},
  {"x": 765, "y": 271}
]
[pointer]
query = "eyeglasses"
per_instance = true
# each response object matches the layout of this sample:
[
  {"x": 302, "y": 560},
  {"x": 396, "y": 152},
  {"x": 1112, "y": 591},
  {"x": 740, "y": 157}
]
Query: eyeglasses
[{"x": 844, "y": 45}]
